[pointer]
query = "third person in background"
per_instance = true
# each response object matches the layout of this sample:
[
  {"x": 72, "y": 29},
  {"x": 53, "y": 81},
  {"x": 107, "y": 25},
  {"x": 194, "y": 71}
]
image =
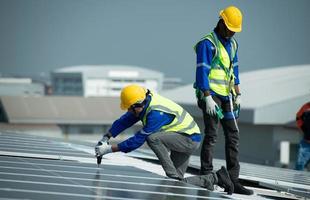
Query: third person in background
[
  {"x": 303, "y": 123},
  {"x": 218, "y": 93}
]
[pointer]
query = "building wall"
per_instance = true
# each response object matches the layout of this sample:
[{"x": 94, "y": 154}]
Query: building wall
[
  {"x": 291, "y": 135},
  {"x": 256, "y": 144},
  {"x": 69, "y": 84},
  {"x": 20, "y": 89},
  {"x": 101, "y": 84},
  {"x": 113, "y": 87}
]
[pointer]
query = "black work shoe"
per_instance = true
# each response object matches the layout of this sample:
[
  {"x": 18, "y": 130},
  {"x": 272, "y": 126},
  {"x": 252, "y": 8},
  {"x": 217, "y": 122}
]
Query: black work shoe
[
  {"x": 240, "y": 189},
  {"x": 224, "y": 180}
]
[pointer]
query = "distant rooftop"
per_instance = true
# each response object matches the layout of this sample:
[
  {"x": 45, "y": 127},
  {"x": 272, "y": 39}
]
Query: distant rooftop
[
  {"x": 15, "y": 80},
  {"x": 268, "y": 95},
  {"x": 110, "y": 70},
  {"x": 270, "y": 86},
  {"x": 61, "y": 109}
]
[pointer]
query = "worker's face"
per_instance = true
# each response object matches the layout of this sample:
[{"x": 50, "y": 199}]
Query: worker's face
[
  {"x": 135, "y": 110},
  {"x": 225, "y": 32},
  {"x": 229, "y": 33}
]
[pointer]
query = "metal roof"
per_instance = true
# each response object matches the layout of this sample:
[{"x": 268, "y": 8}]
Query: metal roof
[
  {"x": 12, "y": 80},
  {"x": 265, "y": 94},
  {"x": 61, "y": 110}
]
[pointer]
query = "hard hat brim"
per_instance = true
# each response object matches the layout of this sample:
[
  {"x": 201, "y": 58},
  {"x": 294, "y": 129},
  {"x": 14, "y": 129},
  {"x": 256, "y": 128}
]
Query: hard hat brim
[{"x": 236, "y": 30}]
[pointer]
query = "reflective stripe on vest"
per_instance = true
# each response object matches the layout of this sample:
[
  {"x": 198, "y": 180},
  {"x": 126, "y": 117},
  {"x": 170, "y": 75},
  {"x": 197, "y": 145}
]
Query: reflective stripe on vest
[
  {"x": 183, "y": 121},
  {"x": 221, "y": 76}
]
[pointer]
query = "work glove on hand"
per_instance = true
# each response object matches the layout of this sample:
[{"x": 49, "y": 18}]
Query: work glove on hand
[
  {"x": 238, "y": 100},
  {"x": 103, "y": 148},
  {"x": 105, "y": 139},
  {"x": 210, "y": 105}
]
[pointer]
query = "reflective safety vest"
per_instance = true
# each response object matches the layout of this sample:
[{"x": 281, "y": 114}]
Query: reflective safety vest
[
  {"x": 221, "y": 76},
  {"x": 182, "y": 122}
]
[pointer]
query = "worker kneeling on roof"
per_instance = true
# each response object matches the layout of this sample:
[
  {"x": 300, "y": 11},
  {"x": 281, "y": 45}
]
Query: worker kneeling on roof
[{"x": 168, "y": 129}]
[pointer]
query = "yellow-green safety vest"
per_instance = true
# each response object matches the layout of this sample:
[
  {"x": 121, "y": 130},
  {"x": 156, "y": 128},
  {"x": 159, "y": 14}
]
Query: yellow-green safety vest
[
  {"x": 221, "y": 76},
  {"x": 183, "y": 121}
]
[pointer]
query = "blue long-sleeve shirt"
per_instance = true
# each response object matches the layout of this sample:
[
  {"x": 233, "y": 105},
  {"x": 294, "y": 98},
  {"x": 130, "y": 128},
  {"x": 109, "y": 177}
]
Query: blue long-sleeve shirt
[
  {"x": 155, "y": 120},
  {"x": 205, "y": 51}
]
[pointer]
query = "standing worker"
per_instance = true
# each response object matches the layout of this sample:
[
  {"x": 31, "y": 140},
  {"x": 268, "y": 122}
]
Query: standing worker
[
  {"x": 218, "y": 93},
  {"x": 303, "y": 122},
  {"x": 167, "y": 127}
]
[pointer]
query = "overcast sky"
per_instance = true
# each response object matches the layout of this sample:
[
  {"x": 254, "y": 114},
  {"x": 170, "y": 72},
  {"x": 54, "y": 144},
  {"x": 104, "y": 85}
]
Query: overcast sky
[{"x": 42, "y": 35}]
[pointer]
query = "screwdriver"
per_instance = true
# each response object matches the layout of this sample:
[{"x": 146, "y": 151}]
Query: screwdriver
[{"x": 99, "y": 158}]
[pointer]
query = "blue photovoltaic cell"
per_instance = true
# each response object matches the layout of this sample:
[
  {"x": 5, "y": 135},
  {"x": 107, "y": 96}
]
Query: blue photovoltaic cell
[{"x": 23, "y": 177}]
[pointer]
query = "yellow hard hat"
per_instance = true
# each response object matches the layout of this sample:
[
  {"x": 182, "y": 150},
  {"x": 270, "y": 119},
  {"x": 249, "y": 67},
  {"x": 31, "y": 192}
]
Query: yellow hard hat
[
  {"x": 131, "y": 95},
  {"x": 232, "y": 17}
]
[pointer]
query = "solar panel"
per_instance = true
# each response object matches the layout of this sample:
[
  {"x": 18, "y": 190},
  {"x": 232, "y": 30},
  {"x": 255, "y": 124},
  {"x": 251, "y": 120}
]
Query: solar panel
[
  {"x": 296, "y": 191},
  {"x": 267, "y": 174},
  {"x": 33, "y": 167},
  {"x": 278, "y": 179}
]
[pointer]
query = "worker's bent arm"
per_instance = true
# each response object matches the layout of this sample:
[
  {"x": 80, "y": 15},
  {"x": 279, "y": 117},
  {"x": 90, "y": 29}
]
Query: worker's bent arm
[
  {"x": 132, "y": 143},
  {"x": 124, "y": 122},
  {"x": 155, "y": 120}
]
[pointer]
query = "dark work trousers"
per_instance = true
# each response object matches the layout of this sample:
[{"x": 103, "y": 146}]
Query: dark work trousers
[
  {"x": 173, "y": 151},
  {"x": 231, "y": 133}
]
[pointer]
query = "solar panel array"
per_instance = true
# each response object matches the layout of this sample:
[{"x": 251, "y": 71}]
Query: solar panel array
[
  {"x": 267, "y": 174},
  {"x": 279, "y": 179},
  {"x": 33, "y": 167}
]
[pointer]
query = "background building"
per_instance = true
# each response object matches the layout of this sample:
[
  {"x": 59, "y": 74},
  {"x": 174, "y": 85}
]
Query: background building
[
  {"x": 103, "y": 80},
  {"x": 10, "y": 86},
  {"x": 171, "y": 83}
]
